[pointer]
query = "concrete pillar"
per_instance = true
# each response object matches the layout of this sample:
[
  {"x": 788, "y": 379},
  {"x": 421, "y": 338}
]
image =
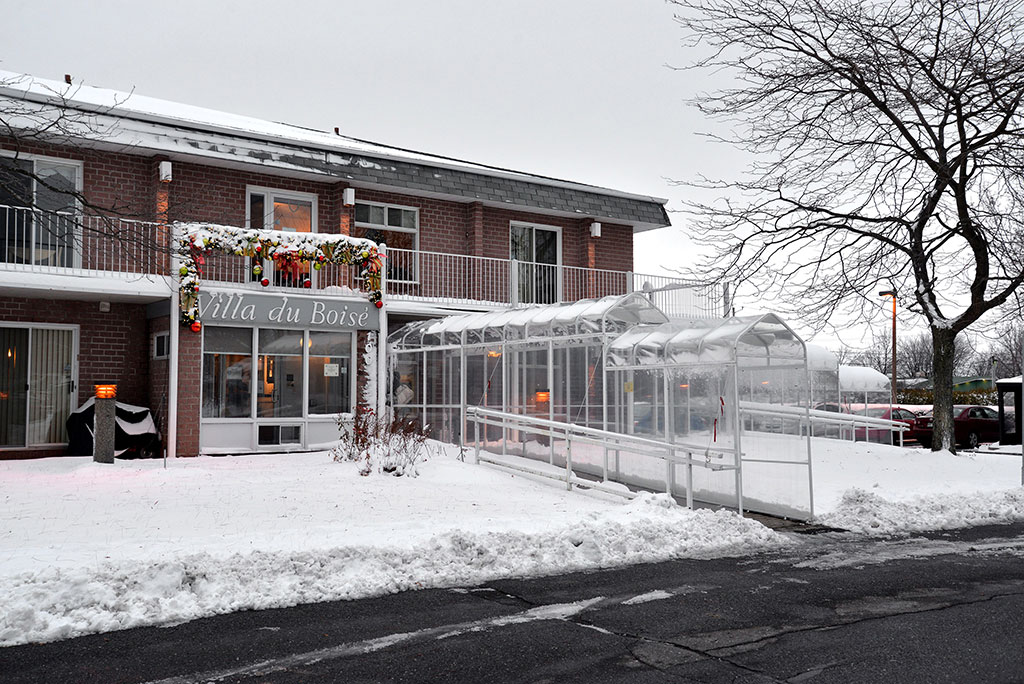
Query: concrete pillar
[{"x": 103, "y": 431}]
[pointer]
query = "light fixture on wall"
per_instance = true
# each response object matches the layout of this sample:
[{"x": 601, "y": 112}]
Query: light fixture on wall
[
  {"x": 104, "y": 307},
  {"x": 348, "y": 197},
  {"x": 595, "y": 230},
  {"x": 166, "y": 174}
]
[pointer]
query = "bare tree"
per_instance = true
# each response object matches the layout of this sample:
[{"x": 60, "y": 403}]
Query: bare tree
[
  {"x": 889, "y": 149},
  {"x": 915, "y": 356},
  {"x": 40, "y": 205}
]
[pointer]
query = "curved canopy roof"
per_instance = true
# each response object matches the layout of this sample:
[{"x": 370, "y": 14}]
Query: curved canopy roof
[
  {"x": 863, "y": 379},
  {"x": 609, "y": 315},
  {"x": 762, "y": 340}
]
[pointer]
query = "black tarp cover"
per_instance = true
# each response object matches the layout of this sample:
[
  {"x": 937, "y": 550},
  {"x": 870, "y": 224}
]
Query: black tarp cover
[{"x": 135, "y": 434}]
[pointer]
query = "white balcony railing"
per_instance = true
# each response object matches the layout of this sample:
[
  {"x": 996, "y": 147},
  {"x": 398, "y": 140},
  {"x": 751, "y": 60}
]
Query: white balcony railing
[{"x": 74, "y": 244}]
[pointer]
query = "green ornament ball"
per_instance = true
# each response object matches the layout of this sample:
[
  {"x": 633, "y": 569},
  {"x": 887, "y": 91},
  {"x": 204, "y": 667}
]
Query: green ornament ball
[
  {"x": 257, "y": 269},
  {"x": 317, "y": 265},
  {"x": 183, "y": 271}
]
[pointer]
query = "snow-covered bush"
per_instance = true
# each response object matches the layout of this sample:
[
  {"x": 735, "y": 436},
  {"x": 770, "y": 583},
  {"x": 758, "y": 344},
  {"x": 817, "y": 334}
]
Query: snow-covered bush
[{"x": 381, "y": 444}]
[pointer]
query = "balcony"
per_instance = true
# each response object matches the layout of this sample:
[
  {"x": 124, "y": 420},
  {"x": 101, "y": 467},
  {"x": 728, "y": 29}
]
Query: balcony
[{"x": 109, "y": 251}]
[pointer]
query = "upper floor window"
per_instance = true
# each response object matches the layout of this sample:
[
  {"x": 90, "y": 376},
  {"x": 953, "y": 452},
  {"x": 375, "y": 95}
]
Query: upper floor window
[
  {"x": 399, "y": 228},
  {"x": 36, "y": 196},
  {"x": 294, "y": 212}
]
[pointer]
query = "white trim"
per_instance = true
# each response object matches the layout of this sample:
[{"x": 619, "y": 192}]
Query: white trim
[{"x": 153, "y": 345}]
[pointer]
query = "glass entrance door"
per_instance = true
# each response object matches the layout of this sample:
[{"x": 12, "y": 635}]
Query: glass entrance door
[{"x": 536, "y": 250}]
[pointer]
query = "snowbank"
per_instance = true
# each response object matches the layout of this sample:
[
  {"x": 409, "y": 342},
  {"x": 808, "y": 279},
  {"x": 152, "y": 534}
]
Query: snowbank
[
  {"x": 89, "y": 548},
  {"x": 868, "y": 513}
]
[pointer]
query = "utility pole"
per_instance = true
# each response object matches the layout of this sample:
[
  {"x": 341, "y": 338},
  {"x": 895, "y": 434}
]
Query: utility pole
[{"x": 892, "y": 293}]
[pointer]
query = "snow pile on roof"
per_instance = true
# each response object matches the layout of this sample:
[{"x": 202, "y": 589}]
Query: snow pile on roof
[
  {"x": 862, "y": 379},
  {"x": 97, "y": 548},
  {"x": 141, "y": 107},
  {"x": 821, "y": 359}
]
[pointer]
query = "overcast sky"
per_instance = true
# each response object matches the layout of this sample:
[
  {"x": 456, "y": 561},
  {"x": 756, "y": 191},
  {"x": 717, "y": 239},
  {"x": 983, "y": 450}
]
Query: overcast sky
[{"x": 576, "y": 89}]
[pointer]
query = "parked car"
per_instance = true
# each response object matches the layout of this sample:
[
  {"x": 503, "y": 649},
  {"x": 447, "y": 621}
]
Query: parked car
[
  {"x": 883, "y": 435},
  {"x": 972, "y": 425}
]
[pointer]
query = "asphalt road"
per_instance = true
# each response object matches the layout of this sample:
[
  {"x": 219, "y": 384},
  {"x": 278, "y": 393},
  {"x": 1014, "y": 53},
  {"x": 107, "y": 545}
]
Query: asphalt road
[{"x": 832, "y": 608}]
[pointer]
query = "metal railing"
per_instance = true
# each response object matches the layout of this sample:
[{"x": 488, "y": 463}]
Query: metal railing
[
  {"x": 672, "y": 454},
  {"x": 32, "y": 240},
  {"x": 81, "y": 244},
  {"x": 466, "y": 279},
  {"x": 848, "y": 425}
]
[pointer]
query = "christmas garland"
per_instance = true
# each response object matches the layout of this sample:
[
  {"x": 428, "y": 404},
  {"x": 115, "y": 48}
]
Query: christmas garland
[{"x": 284, "y": 248}]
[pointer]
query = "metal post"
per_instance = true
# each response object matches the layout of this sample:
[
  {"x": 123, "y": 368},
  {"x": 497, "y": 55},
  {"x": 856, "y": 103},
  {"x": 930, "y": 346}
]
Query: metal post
[
  {"x": 689, "y": 480},
  {"x": 173, "y": 324},
  {"x": 463, "y": 398},
  {"x": 476, "y": 440},
  {"x": 382, "y": 338},
  {"x": 737, "y": 443},
  {"x": 568, "y": 459},
  {"x": 551, "y": 398},
  {"x": 513, "y": 282},
  {"x": 807, "y": 414}
]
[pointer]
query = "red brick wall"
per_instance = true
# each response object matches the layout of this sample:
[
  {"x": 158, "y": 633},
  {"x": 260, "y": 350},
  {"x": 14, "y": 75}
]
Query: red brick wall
[
  {"x": 113, "y": 347},
  {"x": 189, "y": 385}
]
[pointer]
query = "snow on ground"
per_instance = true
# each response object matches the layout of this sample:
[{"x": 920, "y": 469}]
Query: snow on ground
[
  {"x": 882, "y": 489},
  {"x": 86, "y": 547}
]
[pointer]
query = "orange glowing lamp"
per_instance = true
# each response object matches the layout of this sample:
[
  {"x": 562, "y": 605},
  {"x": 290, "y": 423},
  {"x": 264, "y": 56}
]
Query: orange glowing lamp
[
  {"x": 543, "y": 397},
  {"x": 106, "y": 391}
]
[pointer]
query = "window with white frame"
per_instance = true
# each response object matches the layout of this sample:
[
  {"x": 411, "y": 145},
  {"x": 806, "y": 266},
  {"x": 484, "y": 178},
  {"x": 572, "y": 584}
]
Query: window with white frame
[
  {"x": 37, "y": 207},
  {"x": 293, "y": 212},
  {"x": 397, "y": 226},
  {"x": 161, "y": 345}
]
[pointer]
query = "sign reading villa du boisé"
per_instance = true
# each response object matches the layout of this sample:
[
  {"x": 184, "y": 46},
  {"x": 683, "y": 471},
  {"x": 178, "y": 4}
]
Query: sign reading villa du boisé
[{"x": 286, "y": 311}]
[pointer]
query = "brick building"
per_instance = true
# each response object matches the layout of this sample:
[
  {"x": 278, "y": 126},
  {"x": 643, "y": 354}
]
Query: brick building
[{"x": 89, "y": 291}]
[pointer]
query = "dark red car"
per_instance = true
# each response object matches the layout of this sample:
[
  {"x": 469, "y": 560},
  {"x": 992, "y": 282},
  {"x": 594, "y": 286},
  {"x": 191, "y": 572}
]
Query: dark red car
[
  {"x": 972, "y": 425},
  {"x": 877, "y": 434}
]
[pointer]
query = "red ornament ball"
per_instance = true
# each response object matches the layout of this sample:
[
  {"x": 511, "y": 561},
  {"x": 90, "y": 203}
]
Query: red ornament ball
[
  {"x": 196, "y": 326},
  {"x": 379, "y": 304},
  {"x": 307, "y": 283},
  {"x": 265, "y": 282}
]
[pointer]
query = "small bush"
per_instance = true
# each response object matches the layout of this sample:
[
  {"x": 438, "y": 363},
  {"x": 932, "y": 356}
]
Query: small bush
[{"x": 382, "y": 445}]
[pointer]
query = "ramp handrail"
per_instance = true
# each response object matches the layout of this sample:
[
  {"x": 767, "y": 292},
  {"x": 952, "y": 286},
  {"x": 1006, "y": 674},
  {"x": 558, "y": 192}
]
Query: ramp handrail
[
  {"x": 850, "y": 420},
  {"x": 673, "y": 453}
]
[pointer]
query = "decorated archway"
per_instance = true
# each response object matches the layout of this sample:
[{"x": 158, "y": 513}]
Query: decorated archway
[{"x": 198, "y": 240}]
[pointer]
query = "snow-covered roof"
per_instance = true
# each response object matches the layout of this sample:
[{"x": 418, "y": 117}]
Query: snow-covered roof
[
  {"x": 612, "y": 314},
  {"x": 1011, "y": 381},
  {"x": 862, "y": 379},
  {"x": 761, "y": 340},
  {"x": 821, "y": 359},
  {"x": 113, "y": 112}
]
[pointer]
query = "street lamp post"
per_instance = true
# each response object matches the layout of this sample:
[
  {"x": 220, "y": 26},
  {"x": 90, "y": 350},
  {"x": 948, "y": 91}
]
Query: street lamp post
[{"x": 892, "y": 293}]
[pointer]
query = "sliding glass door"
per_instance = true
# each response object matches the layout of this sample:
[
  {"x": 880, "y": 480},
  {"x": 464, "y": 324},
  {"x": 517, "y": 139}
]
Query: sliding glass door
[{"x": 37, "y": 384}]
